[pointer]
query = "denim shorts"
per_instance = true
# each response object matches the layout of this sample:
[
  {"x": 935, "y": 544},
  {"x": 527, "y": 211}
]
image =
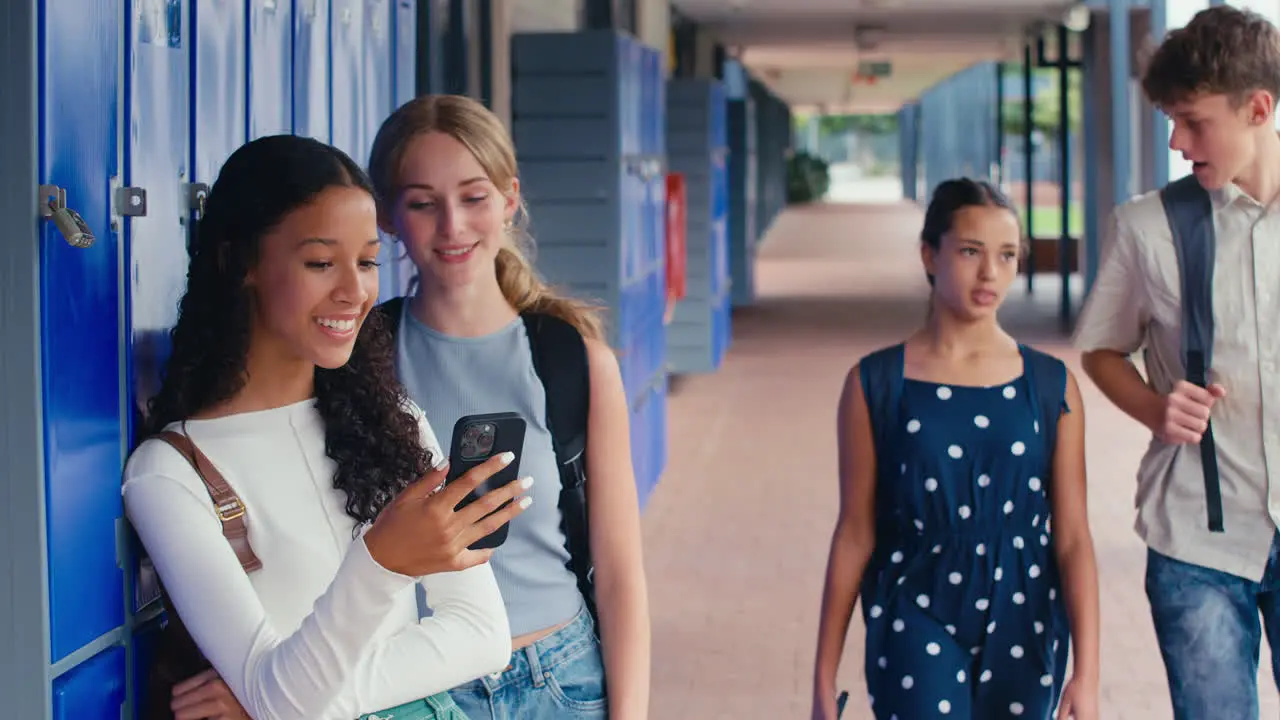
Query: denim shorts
[
  {"x": 436, "y": 707},
  {"x": 559, "y": 677}
]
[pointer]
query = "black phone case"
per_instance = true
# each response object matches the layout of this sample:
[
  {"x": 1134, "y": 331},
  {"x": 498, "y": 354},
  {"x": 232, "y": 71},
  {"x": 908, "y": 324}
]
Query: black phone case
[{"x": 468, "y": 449}]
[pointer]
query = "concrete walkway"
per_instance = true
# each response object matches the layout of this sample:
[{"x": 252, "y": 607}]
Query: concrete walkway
[{"x": 737, "y": 532}]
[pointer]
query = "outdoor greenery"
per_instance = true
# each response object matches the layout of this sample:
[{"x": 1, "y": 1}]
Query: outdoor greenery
[
  {"x": 1048, "y": 220},
  {"x": 1044, "y": 110}
]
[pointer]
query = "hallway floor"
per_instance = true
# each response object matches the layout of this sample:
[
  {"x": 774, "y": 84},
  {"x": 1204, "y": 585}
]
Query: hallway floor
[{"x": 736, "y": 534}]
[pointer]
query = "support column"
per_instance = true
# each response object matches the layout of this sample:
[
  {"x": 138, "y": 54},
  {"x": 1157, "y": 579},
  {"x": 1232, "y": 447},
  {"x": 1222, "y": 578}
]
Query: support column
[
  {"x": 1159, "y": 129},
  {"x": 1064, "y": 176},
  {"x": 999, "y": 128},
  {"x": 1121, "y": 120},
  {"x": 1093, "y": 92},
  {"x": 1028, "y": 157}
]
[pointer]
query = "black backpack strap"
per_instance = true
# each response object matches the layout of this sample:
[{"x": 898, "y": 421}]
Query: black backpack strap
[
  {"x": 1189, "y": 209},
  {"x": 1047, "y": 378},
  {"x": 560, "y": 360},
  {"x": 392, "y": 311}
]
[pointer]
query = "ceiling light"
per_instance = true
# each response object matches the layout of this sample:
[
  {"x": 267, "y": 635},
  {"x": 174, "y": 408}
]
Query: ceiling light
[{"x": 1077, "y": 18}]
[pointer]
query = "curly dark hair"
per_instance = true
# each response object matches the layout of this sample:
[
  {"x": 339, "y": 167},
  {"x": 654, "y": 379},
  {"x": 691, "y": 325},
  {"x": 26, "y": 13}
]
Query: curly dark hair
[
  {"x": 369, "y": 431},
  {"x": 1222, "y": 51}
]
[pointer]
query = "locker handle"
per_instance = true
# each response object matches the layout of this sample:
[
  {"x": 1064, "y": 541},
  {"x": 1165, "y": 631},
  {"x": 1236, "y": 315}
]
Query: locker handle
[
  {"x": 72, "y": 227},
  {"x": 196, "y": 195}
]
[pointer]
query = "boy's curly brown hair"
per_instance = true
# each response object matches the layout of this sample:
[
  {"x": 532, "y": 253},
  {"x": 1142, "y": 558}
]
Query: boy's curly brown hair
[{"x": 1222, "y": 51}]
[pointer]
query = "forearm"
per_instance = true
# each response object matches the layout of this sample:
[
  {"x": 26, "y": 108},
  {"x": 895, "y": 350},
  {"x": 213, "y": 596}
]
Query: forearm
[
  {"x": 845, "y": 566},
  {"x": 1124, "y": 386},
  {"x": 625, "y": 634},
  {"x": 1079, "y": 571},
  {"x": 466, "y": 636}
]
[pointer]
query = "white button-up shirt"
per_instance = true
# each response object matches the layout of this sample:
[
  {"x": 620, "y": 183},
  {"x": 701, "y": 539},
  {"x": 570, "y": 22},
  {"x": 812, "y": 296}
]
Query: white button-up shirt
[{"x": 1135, "y": 304}]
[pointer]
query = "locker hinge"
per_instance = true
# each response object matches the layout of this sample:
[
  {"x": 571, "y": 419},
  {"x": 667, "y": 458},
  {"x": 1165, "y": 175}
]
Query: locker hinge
[
  {"x": 73, "y": 228},
  {"x": 131, "y": 202}
]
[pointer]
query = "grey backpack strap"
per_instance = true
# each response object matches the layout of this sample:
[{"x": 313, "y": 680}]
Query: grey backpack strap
[{"x": 1189, "y": 209}]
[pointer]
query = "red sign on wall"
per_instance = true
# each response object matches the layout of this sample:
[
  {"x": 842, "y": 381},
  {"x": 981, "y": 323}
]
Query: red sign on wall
[{"x": 677, "y": 231}]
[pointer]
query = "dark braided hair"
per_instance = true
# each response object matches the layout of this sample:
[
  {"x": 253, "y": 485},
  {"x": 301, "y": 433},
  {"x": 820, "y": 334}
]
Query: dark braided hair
[{"x": 369, "y": 431}]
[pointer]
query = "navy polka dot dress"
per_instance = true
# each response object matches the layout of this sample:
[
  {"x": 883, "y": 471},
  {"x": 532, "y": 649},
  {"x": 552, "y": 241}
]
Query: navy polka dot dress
[{"x": 965, "y": 617}]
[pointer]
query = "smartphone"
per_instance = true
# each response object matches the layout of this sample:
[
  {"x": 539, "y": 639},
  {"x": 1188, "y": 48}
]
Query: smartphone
[{"x": 476, "y": 438}]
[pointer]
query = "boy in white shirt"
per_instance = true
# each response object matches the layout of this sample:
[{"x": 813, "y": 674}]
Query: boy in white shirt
[{"x": 1213, "y": 559}]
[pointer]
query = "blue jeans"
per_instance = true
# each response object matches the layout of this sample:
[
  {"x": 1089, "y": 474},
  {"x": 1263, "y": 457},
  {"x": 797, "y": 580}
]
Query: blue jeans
[
  {"x": 436, "y": 707},
  {"x": 560, "y": 677},
  {"x": 1207, "y": 625}
]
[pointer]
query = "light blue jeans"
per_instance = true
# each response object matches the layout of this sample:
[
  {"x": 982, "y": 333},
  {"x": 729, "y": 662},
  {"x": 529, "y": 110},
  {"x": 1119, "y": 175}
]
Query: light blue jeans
[
  {"x": 1207, "y": 624},
  {"x": 436, "y": 707},
  {"x": 560, "y": 677}
]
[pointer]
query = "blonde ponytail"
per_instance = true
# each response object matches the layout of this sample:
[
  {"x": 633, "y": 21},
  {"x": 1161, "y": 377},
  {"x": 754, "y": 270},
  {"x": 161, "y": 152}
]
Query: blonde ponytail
[{"x": 527, "y": 292}]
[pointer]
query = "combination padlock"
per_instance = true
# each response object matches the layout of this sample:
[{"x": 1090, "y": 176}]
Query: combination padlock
[
  {"x": 73, "y": 227},
  {"x": 70, "y": 225}
]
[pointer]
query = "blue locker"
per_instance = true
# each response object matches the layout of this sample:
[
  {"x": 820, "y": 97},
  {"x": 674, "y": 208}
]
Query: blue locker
[
  {"x": 80, "y": 313},
  {"x": 377, "y": 91},
  {"x": 270, "y": 67},
  {"x": 576, "y": 119},
  {"x": 220, "y": 103},
  {"x": 696, "y": 148},
  {"x": 586, "y": 107},
  {"x": 312, "y": 73},
  {"x": 405, "y": 53},
  {"x": 346, "y": 100},
  {"x": 93, "y": 690},
  {"x": 742, "y": 200},
  {"x": 157, "y": 160}
]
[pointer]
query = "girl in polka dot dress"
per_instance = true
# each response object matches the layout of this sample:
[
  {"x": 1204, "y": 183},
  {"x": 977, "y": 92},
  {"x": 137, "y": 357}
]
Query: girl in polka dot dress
[{"x": 963, "y": 530}]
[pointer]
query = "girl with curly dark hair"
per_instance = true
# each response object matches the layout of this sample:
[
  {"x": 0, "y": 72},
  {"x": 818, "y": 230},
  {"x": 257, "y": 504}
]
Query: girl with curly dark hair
[{"x": 283, "y": 378}]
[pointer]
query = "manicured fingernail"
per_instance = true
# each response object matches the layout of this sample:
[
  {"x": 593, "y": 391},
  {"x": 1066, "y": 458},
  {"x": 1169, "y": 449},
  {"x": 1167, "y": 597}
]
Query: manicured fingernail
[
  {"x": 507, "y": 457},
  {"x": 526, "y": 482},
  {"x": 526, "y": 501}
]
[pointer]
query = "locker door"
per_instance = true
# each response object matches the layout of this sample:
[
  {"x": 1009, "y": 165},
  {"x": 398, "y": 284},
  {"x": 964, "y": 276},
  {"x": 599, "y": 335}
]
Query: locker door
[
  {"x": 377, "y": 92},
  {"x": 157, "y": 159},
  {"x": 406, "y": 45},
  {"x": 93, "y": 690},
  {"x": 220, "y": 111},
  {"x": 347, "y": 38},
  {"x": 311, "y": 69},
  {"x": 405, "y": 65},
  {"x": 270, "y": 67},
  {"x": 80, "y": 312}
]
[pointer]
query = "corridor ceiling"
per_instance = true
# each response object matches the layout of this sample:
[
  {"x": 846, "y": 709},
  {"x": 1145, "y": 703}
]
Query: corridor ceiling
[{"x": 809, "y": 51}]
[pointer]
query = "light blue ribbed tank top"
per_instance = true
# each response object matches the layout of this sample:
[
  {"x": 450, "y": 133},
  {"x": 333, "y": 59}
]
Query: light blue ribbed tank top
[{"x": 449, "y": 377}]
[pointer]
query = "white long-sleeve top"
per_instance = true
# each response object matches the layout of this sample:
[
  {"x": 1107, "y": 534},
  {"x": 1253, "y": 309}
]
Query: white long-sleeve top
[{"x": 321, "y": 631}]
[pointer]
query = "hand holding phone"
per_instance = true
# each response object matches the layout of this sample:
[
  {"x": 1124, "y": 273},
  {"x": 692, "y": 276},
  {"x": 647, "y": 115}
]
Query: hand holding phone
[
  {"x": 422, "y": 531},
  {"x": 476, "y": 438}
]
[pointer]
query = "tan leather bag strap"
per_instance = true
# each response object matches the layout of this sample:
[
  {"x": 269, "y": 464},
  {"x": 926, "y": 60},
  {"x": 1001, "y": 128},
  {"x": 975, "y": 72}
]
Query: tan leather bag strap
[{"x": 226, "y": 502}]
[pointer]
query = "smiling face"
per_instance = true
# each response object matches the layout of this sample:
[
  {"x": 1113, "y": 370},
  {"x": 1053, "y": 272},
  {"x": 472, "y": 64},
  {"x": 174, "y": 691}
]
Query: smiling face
[
  {"x": 1219, "y": 137},
  {"x": 315, "y": 280},
  {"x": 449, "y": 213},
  {"x": 976, "y": 260}
]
